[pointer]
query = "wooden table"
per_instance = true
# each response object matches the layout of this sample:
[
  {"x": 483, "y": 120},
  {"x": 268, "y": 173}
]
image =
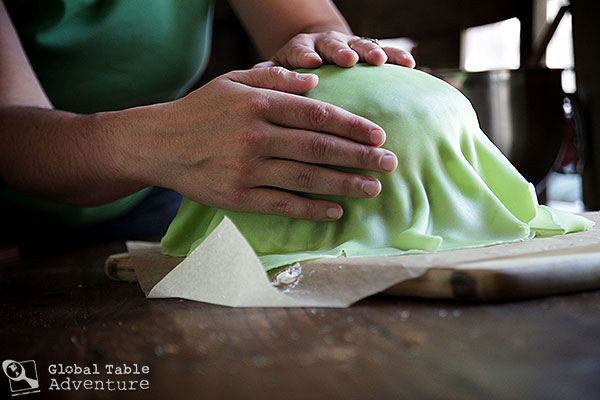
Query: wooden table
[{"x": 60, "y": 308}]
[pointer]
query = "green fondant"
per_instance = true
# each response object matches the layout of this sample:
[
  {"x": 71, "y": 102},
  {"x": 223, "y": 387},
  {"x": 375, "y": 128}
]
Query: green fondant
[{"x": 452, "y": 189}]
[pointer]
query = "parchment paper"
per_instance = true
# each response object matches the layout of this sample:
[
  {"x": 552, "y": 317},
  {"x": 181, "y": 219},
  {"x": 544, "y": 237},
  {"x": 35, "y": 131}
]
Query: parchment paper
[{"x": 225, "y": 270}]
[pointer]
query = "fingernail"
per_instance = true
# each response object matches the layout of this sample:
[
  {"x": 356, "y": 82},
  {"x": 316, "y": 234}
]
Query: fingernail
[
  {"x": 408, "y": 59},
  {"x": 371, "y": 188},
  {"x": 263, "y": 64},
  {"x": 376, "y": 51},
  {"x": 388, "y": 162},
  {"x": 333, "y": 213},
  {"x": 377, "y": 136},
  {"x": 305, "y": 77}
]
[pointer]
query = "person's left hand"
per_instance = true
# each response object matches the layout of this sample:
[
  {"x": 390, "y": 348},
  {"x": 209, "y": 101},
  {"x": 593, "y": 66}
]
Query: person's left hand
[{"x": 311, "y": 50}]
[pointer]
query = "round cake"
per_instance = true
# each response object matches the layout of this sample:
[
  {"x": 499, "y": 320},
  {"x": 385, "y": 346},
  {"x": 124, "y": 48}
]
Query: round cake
[{"x": 452, "y": 189}]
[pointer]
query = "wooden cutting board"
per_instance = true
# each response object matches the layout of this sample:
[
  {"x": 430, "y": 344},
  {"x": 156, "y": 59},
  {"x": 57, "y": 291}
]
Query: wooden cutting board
[{"x": 531, "y": 268}]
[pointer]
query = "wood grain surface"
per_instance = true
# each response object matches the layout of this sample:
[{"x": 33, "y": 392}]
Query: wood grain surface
[{"x": 62, "y": 308}]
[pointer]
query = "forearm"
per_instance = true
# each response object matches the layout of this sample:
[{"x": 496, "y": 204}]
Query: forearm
[
  {"x": 69, "y": 158},
  {"x": 271, "y": 23}
]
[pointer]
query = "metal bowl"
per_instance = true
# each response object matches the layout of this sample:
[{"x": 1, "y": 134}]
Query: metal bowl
[{"x": 521, "y": 111}]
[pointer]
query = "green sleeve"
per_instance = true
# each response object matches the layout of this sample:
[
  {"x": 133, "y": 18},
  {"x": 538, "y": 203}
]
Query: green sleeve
[{"x": 99, "y": 55}]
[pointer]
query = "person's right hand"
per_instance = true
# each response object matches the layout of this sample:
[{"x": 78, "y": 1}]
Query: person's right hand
[{"x": 246, "y": 141}]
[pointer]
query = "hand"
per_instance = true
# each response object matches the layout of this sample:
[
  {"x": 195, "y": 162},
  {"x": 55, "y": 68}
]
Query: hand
[
  {"x": 245, "y": 140},
  {"x": 310, "y": 50}
]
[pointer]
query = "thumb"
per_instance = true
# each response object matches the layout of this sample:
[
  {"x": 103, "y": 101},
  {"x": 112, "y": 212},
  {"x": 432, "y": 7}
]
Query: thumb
[{"x": 276, "y": 78}]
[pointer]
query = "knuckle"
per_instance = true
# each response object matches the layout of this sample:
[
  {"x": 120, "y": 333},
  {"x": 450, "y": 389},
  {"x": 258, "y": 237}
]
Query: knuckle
[
  {"x": 276, "y": 73},
  {"x": 355, "y": 125},
  {"x": 253, "y": 138},
  {"x": 364, "y": 156},
  {"x": 322, "y": 147},
  {"x": 319, "y": 114},
  {"x": 347, "y": 186},
  {"x": 298, "y": 48},
  {"x": 332, "y": 43},
  {"x": 257, "y": 104},
  {"x": 242, "y": 171},
  {"x": 231, "y": 75},
  {"x": 302, "y": 36},
  {"x": 306, "y": 178},
  {"x": 282, "y": 207}
]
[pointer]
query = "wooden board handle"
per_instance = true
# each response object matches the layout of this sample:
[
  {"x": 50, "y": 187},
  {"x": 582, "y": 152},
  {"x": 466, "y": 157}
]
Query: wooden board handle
[{"x": 119, "y": 267}]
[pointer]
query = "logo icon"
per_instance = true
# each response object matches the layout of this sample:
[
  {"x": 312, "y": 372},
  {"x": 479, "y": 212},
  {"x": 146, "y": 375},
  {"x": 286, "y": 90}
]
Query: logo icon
[{"x": 22, "y": 376}]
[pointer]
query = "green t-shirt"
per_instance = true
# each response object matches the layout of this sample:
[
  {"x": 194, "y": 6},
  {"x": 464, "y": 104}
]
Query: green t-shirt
[{"x": 101, "y": 55}]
